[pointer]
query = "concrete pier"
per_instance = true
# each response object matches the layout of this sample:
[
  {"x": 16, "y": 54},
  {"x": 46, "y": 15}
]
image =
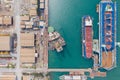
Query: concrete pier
[{"x": 96, "y": 45}]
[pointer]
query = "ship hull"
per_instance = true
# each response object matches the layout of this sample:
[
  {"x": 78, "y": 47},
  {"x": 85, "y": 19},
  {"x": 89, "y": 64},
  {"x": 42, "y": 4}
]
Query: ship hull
[
  {"x": 107, "y": 34},
  {"x": 87, "y": 38}
]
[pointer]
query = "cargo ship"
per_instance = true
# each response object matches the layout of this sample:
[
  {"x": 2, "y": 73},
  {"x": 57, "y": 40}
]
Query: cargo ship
[
  {"x": 107, "y": 34},
  {"x": 87, "y": 37}
]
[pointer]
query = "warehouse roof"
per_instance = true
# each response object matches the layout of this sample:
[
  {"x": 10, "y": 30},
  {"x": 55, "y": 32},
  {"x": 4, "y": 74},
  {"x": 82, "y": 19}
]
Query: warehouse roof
[
  {"x": 25, "y": 18},
  {"x": 33, "y": 12},
  {"x": 42, "y": 1},
  {"x": 4, "y": 43},
  {"x": 27, "y": 39},
  {"x": 33, "y": 1},
  {"x": 27, "y": 52},
  {"x": 27, "y": 55},
  {"x": 7, "y": 77},
  {"x": 7, "y": 20},
  {"x": 26, "y": 77},
  {"x": 42, "y": 5},
  {"x": 1, "y": 20}
]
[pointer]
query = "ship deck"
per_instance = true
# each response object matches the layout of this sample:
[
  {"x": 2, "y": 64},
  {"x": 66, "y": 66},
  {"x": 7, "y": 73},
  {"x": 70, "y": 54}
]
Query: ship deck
[
  {"x": 107, "y": 59},
  {"x": 88, "y": 41},
  {"x": 87, "y": 38}
]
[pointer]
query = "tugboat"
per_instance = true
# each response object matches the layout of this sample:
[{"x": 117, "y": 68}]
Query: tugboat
[{"x": 87, "y": 35}]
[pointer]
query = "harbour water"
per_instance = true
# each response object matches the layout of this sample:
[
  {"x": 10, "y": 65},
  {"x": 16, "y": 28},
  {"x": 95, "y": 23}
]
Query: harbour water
[{"x": 65, "y": 16}]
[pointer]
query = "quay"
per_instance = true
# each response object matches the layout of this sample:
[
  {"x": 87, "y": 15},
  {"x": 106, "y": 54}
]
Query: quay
[
  {"x": 70, "y": 70},
  {"x": 82, "y": 71},
  {"x": 96, "y": 45},
  {"x": 48, "y": 70},
  {"x": 57, "y": 70},
  {"x": 97, "y": 74},
  {"x": 46, "y": 36}
]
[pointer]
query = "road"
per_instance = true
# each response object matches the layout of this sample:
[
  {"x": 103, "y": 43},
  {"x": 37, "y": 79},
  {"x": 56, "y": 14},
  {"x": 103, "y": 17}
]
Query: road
[{"x": 17, "y": 29}]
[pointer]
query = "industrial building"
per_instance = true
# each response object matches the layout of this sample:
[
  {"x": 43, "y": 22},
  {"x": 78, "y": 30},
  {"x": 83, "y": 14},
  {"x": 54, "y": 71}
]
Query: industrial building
[
  {"x": 22, "y": 26},
  {"x": 42, "y": 1},
  {"x": 1, "y": 20},
  {"x": 6, "y": 20},
  {"x": 27, "y": 55},
  {"x": 29, "y": 16},
  {"x": 5, "y": 43},
  {"x": 34, "y": 2},
  {"x": 26, "y": 77},
  {"x": 28, "y": 24},
  {"x": 27, "y": 39},
  {"x": 8, "y": 1},
  {"x": 27, "y": 51},
  {"x": 8, "y": 77},
  {"x": 42, "y": 5},
  {"x": 33, "y": 12},
  {"x": 25, "y": 18}
]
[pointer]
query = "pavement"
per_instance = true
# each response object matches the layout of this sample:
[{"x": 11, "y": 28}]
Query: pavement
[
  {"x": 40, "y": 50},
  {"x": 17, "y": 29}
]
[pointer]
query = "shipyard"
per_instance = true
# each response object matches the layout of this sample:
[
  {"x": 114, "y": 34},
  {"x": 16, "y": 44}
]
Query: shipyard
[
  {"x": 107, "y": 34},
  {"x": 34, "y": 47}
]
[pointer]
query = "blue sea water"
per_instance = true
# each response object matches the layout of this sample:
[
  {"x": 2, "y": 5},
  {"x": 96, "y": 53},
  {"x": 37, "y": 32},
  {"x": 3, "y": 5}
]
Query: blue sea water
[{"x": 65, "y": 16}]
